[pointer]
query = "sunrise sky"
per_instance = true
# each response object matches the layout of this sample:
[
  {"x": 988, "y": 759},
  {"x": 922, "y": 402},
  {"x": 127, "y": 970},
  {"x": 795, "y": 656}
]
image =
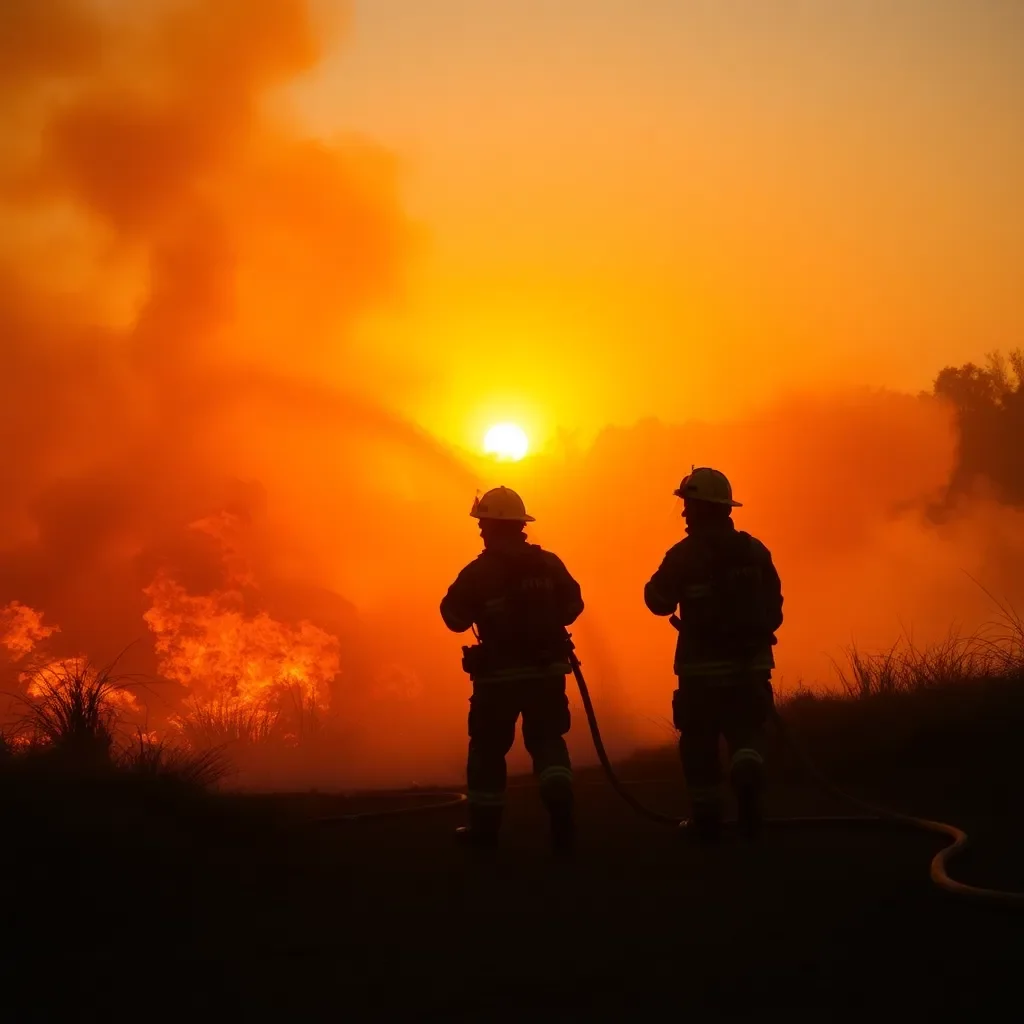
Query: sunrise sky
[{"x": 678, "y": 208}]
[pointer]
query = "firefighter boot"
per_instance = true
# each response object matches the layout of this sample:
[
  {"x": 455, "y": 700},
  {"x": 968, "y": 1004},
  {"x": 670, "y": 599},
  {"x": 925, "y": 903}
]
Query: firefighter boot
[{"x": 482, "y": 831}]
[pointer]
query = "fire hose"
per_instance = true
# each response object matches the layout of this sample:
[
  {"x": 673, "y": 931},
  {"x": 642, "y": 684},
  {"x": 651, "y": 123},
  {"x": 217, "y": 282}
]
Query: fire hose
[{"x": 872, "y": 814}]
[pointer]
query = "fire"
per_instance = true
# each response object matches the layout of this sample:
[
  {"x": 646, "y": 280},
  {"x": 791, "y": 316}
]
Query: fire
[
  {"x": 22, "y": 630},
  {"x": 209, "y": 643},
  {"x": 249, "y": 675}
]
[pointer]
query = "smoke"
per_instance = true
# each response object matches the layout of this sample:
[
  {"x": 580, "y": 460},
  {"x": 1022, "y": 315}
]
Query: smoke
[{"x": 181, "y": 274}]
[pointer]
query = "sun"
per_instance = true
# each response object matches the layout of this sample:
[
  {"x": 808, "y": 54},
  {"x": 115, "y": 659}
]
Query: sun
[{"x": 506, "y": 441}]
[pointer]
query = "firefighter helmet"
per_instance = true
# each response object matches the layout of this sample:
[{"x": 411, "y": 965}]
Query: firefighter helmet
[
  {"x": 704, "y": 484},
  {"x": 501, "y": 503}
]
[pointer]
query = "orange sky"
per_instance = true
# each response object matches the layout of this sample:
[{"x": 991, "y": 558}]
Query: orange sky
[{"x": 679, "y": 208}]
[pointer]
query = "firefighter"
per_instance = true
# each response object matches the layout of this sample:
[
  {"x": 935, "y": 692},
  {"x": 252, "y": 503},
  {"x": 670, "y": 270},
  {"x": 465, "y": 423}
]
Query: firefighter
[
  {"x": 728, "y": 596},
  {"x": 520, "y": 598}
]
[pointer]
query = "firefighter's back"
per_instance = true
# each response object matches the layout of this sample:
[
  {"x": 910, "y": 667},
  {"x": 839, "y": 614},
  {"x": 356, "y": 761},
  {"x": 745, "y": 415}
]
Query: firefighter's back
[
  {"x": 520, "y": 598},
  {"x": 525, "y": 599}
]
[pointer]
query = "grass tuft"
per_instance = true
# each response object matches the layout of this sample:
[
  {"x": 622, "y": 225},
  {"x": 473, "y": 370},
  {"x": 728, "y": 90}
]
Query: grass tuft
[
  {"x": 222, "y": 722},
  {"x": 148, "y": 757},
  {"x": 995, "y": 652},
  {"x": 73, "y": 708}
]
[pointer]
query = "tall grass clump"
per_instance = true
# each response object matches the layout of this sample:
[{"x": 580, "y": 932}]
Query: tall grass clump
[
  {"x": 72, "y": 728},
  {"x": 1005, "y": 639},
  {"x": 73, "y": 708},
  {"x": 228, "y": 721},
  {"x": 994, "y": 653},
  {"x": 283, "y": 736},
  {"x": 301, "y": 717},
  {"x": 904, "y": 667},
  {"x": 150, "y": 758}
]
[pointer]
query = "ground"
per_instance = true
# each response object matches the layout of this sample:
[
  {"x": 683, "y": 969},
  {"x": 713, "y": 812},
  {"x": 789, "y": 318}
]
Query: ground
[{"x": 249, "y": 908}]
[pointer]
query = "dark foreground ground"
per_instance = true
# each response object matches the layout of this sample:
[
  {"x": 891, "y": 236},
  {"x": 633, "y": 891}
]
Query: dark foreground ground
[{"x": 248, "y": 910}]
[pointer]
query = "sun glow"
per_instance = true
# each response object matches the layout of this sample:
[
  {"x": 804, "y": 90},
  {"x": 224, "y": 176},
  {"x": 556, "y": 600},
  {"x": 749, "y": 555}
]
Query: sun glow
[{"x": 506, "y": 441}]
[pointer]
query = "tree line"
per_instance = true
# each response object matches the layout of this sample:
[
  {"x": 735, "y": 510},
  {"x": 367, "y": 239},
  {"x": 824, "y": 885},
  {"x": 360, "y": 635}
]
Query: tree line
[{"x": 989, "y": 404}]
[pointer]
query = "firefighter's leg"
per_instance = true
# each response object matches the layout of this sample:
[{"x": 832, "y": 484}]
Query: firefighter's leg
[
  {"x": 694, "y": 715},
  {"x": 744, "y": 717},
  {"x": 492, "y": 731},
  {"x": 546, "y": 720}
]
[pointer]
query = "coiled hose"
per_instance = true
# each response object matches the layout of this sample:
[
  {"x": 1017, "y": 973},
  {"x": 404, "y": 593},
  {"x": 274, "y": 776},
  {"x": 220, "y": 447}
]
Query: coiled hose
[{"x": 873, "y": 813}]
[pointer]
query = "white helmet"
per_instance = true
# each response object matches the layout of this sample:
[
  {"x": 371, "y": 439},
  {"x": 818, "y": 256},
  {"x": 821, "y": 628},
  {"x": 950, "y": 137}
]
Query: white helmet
[
  {"x": 709, "y": 485},
  {"x": 501, "y": 503}
]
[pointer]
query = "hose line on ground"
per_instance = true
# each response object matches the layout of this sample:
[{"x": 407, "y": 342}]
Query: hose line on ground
[{"x": 874, "y": 813}]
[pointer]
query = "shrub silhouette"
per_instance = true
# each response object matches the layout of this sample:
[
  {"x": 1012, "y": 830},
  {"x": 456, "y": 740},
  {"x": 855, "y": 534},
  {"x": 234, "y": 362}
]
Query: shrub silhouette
[
  {"x": 989, "y": 404},
  {"x": 73, "y": 708}
]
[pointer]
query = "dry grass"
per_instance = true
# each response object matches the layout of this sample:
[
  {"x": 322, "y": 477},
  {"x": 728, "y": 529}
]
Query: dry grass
[
  {"x": 904, "y": 667},
  {"x": 73, "y": 708},
  {"x": 219, "y": 723},
  {"x": 287, "y": 719},
  {"x": 157, "y": 759},
  {"x": 302, "y": 719},
  {"x": 995, "y": 652},
  {"x": 285, "y": 741},
  {"x": 938, "y": 719},
  {"x": 72, "y": 726}
]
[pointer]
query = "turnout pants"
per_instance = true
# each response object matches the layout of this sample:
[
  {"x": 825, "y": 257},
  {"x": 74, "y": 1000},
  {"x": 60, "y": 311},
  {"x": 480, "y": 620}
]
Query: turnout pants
[
  {"x": 494, "y": 709},
  {"x": 733, "y": 707}
]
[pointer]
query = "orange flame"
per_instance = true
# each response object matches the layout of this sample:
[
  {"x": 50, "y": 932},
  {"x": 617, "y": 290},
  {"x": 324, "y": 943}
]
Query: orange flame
[
  {"x": 22, "y": 630},
  {"x": 208, "y": 643}
]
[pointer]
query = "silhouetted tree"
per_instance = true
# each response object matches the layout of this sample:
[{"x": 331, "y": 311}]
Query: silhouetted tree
[{"x": 989, "y": 402}]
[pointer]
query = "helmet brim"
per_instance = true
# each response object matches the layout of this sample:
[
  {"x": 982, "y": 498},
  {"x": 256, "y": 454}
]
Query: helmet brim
[
  {"x": 503, "y": 519},
  {"x": 709, "y": 501}
]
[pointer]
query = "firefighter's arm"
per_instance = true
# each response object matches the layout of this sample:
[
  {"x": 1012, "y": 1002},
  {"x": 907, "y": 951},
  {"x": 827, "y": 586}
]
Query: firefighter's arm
[
  {"x": 459, "y": 607},
  {"x": 661, "y": 594},
  {"x": 569, "y": 593},
  {"x": 773, "y": 593}
]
